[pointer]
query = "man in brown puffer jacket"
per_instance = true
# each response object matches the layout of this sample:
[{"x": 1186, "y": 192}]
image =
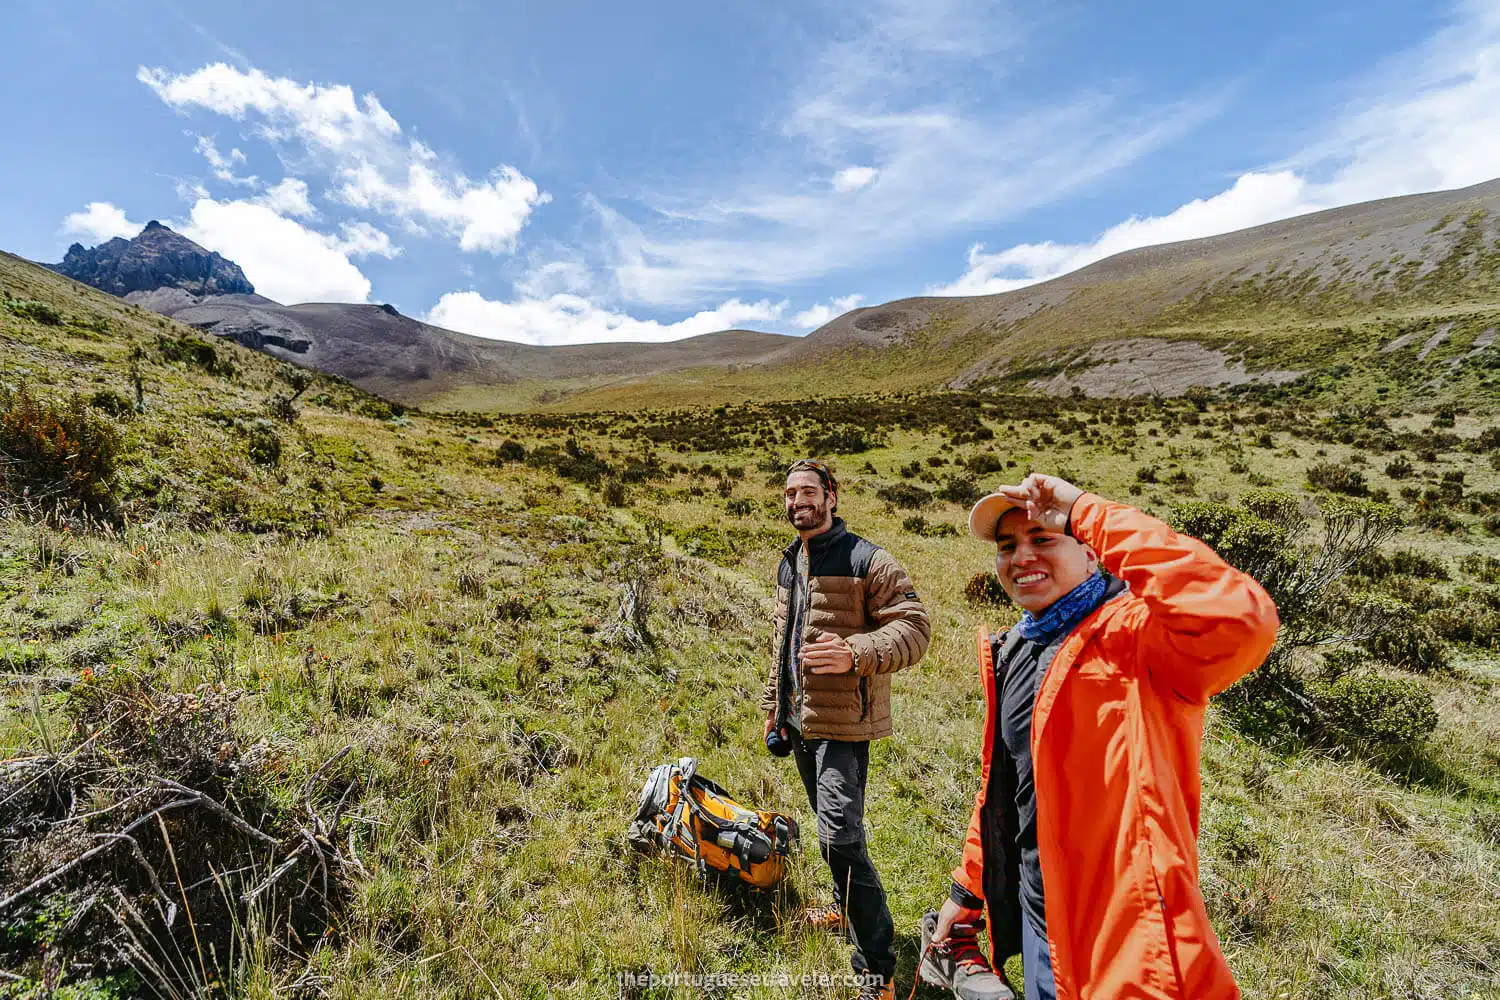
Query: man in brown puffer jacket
[{"x": 847, "y": 617}]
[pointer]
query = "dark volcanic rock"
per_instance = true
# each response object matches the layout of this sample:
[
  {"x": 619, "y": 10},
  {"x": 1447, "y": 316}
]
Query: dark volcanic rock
[{"x": 157, "y": 258}]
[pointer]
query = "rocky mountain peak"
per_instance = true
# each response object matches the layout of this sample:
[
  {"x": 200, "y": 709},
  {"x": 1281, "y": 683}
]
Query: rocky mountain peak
[{"x": 156, "y": 258}]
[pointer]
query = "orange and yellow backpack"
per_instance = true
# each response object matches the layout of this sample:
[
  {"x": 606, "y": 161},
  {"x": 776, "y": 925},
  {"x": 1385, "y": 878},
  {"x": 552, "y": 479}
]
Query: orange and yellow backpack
[{"x": 709, "y": 828}]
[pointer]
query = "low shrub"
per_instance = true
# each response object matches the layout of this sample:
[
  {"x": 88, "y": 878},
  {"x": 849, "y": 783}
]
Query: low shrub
[
  {"x": 1469, "y": 620},
  {"x": 960, "y": 488},
  {"x": 1337, "y": 478},
  {"x": 843, "y": 439},
  {"x": 111, "y": 402},
  {"x": 919, "y": 525},
  {"x": 262, "y": 443},
  {"x": 636, "y": 470},
  {"x": 193, "y": 352},
  {"x": 280, "y": 406},
  {"x": 510, "y": 450},
  {"x": 1410, "y": 645},
  {"x": 54, "y": 452},
  {"x": 905, "y": 495},
  {"x": 707, "y": 542},
  {"x": 1485, "y": 569},
  {"x": 1346, "y": 707},
  {"x": 572, "y": 461},
  {"x": 1377, "y": 715},
  {"x": 1402, "y": 562},
  {"x": 37, "y": 311},
  {"x": 379, "y": 409},
  {"x": 984, "y": 589},
  {"x": 984, "y": 463},
  {"x": 159, "y": 802},
  {"x": 1399, "y": 468}
]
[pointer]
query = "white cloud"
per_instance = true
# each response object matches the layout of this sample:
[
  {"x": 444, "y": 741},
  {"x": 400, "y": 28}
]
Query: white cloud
[
  {"x": 900, "y": 112},
  {"x": 283, "y": 259},
  {"x": 1255, "y": 198},
  {"x": 568, "y": 275},
  {"x": 485, "y": 215},
  {"x": 223, "y": 166},
  {"x": 323, "y": 117},
  {"x": 1434, "y": 125},
  {"x": 853, "y": 178},
  {"x": 816, "y": 316},
  {"x": 361, "y": 145},
  {"x": 288, "y": 197},
  {"x": 571, "y": 319},
  {"x": 99, "y": 222},
  {"x": 360, "y": 239}
]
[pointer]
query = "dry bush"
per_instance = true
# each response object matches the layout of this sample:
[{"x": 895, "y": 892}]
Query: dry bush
[
  {"x": 54, "y": 453},
  {"x": 149, "y": 851}
]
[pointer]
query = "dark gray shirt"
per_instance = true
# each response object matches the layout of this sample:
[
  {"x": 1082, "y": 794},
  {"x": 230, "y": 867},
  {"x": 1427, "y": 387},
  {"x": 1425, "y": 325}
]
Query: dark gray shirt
[
  {"x": 790, "y": 680},
  {"x": 1025, "y": 666}
]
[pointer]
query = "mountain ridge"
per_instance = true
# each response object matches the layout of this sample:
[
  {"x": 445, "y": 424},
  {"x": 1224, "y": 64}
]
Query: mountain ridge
[
  {"x": 156, "y": 258},
  {"x": 1264, "y": 304},
  {"x": 374, "y": 346}
]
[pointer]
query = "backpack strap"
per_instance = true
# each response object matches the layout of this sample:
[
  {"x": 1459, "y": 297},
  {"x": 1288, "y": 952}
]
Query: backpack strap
[{"x": 686, "y": 767}]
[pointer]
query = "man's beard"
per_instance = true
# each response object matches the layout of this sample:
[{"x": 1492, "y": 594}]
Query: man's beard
[{"x": 816, "y": 515}]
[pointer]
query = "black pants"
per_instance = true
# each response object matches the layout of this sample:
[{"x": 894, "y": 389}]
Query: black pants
[{"x": 834, "y": 773}]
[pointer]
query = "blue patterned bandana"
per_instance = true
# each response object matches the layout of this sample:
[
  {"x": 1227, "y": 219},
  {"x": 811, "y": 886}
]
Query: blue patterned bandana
[{"x": 1065, "y": 612}]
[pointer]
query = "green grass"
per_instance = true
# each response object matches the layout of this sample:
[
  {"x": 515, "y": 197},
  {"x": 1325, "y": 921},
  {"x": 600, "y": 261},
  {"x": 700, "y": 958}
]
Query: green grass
[{"x": 454, "y": 625}]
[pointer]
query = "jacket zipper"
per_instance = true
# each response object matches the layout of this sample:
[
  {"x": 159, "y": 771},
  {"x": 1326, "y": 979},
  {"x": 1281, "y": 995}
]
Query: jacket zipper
[{"x": 804, "y": 584}]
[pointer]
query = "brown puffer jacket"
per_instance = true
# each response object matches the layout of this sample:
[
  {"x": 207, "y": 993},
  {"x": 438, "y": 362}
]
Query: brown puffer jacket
[{"x": 859, "y": 591}]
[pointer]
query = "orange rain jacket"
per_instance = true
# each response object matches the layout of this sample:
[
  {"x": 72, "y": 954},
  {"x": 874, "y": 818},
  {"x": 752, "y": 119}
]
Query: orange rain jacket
[{"x": 1115, "y": 740}]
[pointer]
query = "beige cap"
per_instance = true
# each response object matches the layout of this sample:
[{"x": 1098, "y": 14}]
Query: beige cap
[{"x": 984, "y": 519}]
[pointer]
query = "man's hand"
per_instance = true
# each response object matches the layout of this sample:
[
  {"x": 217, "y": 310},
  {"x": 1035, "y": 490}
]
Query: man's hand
[
  {"x": 951, "y": 914},
  {"x": 770, "y": 723},
  {"x": 1046, "y": 500},
  {"x": 827, "y": 653}
]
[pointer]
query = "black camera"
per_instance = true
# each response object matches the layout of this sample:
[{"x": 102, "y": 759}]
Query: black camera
[{"x": 778, "y": 743}]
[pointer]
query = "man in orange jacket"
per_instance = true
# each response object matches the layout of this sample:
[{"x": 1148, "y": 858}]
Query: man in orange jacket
[{"x": 1083, "y": 842}]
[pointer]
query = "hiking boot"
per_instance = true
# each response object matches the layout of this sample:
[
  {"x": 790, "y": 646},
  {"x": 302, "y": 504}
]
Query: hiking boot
[
  {"x": 825, "y": 918},
  {"x": 872, "y": 990},
  {"x": 959, "y": 965}
]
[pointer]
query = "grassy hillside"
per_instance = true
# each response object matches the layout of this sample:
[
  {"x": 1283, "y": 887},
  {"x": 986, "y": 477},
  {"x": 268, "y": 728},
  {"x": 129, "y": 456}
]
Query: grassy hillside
[
  {"x": 1322, "y": 295},
  {"x": 399, "y": 646}
]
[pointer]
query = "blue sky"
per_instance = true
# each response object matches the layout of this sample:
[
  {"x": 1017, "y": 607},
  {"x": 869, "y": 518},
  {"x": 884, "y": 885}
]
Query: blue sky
[{"x": 581, "y": 171}]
